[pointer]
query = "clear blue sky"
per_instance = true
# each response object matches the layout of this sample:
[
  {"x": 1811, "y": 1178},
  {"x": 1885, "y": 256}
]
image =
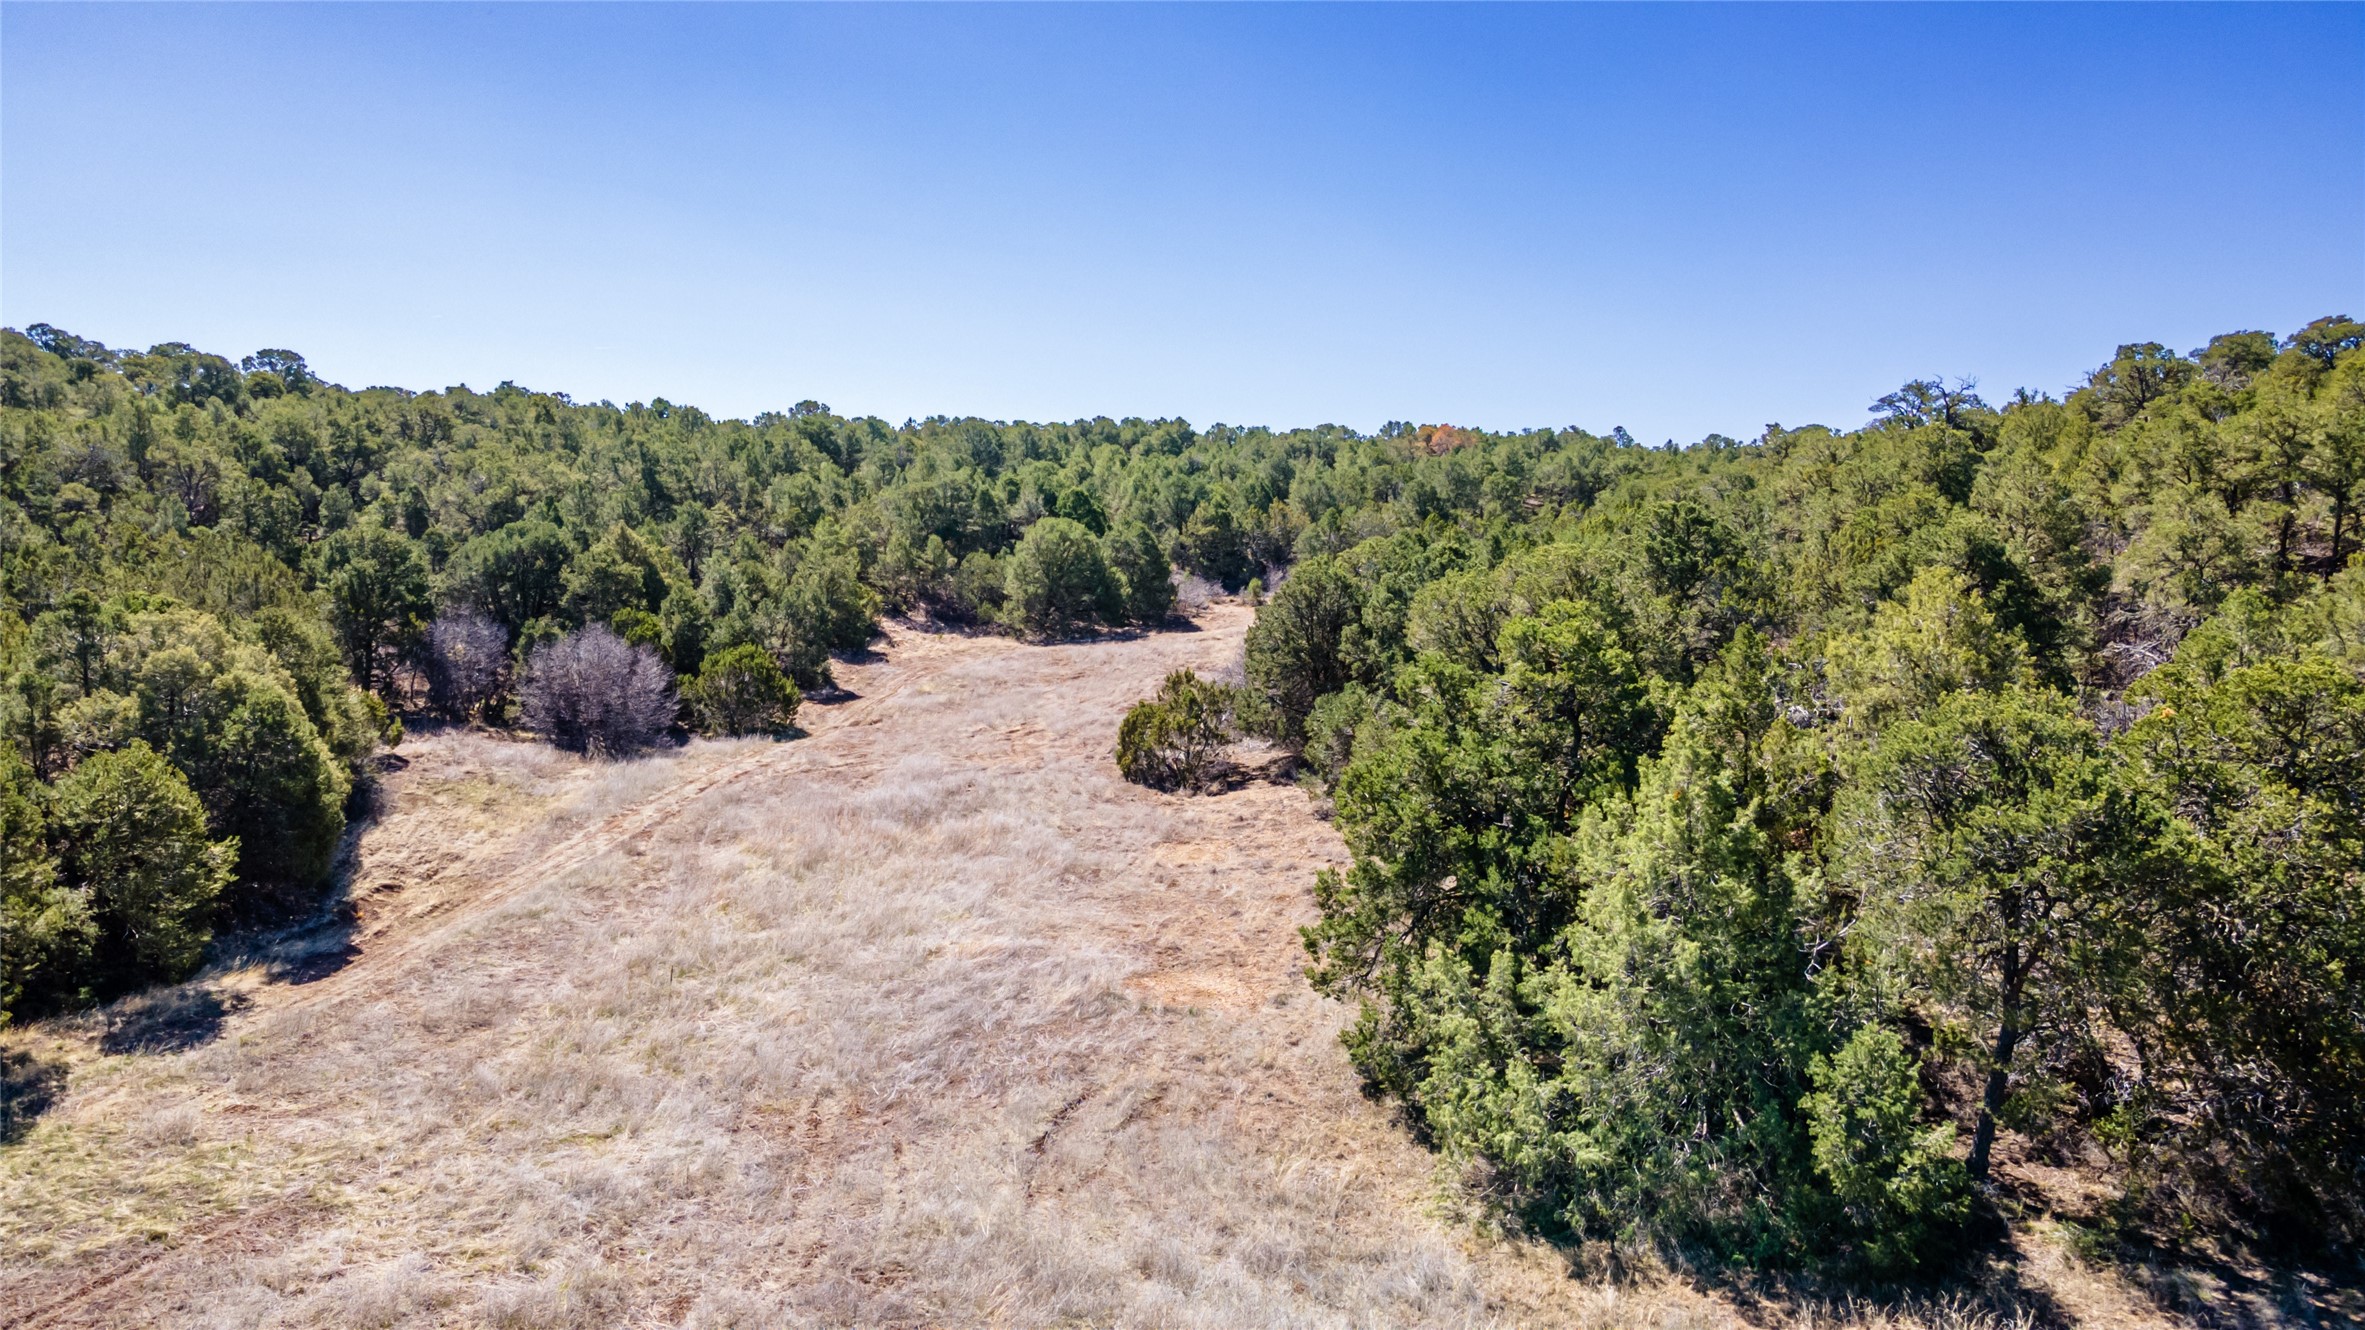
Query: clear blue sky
[{"x": 1680, "y": 219}]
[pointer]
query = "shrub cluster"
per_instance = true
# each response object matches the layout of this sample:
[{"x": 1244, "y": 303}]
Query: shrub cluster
[
  {"x": 467, "y": 664},
  {"x": 107, "y": 877},
  {"x": 742, "y": 691},
  {"x": 1176, "y": 739},
  {"x": 1060, "y": 578},
  {"x": 258, "y": 731},
  {"x": 1702, "y": 840}
]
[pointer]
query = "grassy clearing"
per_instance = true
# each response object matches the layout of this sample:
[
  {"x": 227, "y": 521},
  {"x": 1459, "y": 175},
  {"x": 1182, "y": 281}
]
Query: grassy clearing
[{"x": 924, "y": 1020}]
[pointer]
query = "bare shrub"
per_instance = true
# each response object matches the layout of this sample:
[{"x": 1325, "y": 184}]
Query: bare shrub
[
  {"x": 1193, "y": 593},
  {"x": 467, "y": 659},
  {"x": 593, "y": 692}
]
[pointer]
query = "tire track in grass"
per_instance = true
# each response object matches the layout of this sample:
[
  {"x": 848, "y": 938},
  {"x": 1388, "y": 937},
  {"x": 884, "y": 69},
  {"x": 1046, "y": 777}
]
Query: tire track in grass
[{"x": 379, "y": 968}]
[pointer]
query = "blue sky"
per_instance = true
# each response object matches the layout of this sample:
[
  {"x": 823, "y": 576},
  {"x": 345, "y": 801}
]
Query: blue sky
[{"x": 1680, "y": 219}]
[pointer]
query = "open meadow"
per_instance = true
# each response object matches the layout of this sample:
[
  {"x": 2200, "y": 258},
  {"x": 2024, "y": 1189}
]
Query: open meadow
[
  {"x": 923, "y": 1019},
  {"x": 1442, "y": 667}
]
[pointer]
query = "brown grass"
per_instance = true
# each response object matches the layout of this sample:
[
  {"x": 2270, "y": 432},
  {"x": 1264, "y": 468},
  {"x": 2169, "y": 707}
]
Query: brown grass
[{"x": 926, "y": 1019}]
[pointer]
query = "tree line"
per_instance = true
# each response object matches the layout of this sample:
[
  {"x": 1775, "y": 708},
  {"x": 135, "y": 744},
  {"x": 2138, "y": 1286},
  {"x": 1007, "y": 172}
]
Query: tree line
[
  {"x": 232, "y": 581},
  {"x": 1754, "y": 850},
  {"x": 1754, "y": 843}
]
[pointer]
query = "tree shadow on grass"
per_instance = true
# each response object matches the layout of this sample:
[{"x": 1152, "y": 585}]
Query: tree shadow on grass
[
  {"x": 169, "y": 1020},
  {"x": 1988, "y": 1286},
  {"x": 29, "y": 1086},
  {"x": 2235, "y": 1286},
  {"x": 1979, "y": 1286},
  {"x": 317, "y": 947},
  {"x": 312, "y": 936},
  {"x": 314, "y": 964},
  {"x": 1991, "y": 1295},
  {"x": 1246, "y": 765}
]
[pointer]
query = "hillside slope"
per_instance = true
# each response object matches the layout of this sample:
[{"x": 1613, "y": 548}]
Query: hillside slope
[{"x": 924, "y": 1019}]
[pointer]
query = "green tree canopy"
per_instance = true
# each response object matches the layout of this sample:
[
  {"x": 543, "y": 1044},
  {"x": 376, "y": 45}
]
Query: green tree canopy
[{"x": 1057, "y": 580}]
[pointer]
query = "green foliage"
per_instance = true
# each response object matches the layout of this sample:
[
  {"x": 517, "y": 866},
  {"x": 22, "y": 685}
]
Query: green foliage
[
  {"x": 1058, "y": 582},
  {"x": 1672, "y": 777},
  {"x": 2252, "y": 947},
  {"x": 1895, "y": 1178},
  {"x": 1459, "y": 616},
  {"x": 1144, "y": 578},
  {"x": 742, "y": 691},
  {"x": 1214, "y": 546},
  {"x": 683, "y": 624},
  {"x": 977, "y": 587},
  {"x": 1994, "y": 853},
  {"x": 638, "y": 626},
  {"x": 1174, "y": 739},
  {"x": 515, "y": 575},
  {"x": 825, "y": 608},
  {"x": 275, "y": 787},
  {"x": 911, "y": 575},
  {"x": 1938, "y": 640},
  {"x": 1628, "y": 1054},
  {"x": 1693, "y": 582},
  {"x": 1459, "y": 809},
  {"x": 1635, "y": 919},
  {"x": 46, "y": 931},
  {"x": 1297, "y": 648},
  {"x": 132, "y": 836},
  {"x": 1573, "y": 704},
  {"x": 265, "y": 728},
  {"x": 352, "y": 723},
  {"x": 228, "y": 716},
  {"x": 377, "y": 589},
  {"x": 618, "y": 573},
  {"x": 1337, "y": 724}
]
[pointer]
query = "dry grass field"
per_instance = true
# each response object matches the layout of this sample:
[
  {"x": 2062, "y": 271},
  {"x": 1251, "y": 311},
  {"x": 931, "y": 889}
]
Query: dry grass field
[{"x": 923, "y": 1019}]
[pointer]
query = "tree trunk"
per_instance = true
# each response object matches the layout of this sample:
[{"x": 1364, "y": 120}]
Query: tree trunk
[
  {"x": 1992, "y": 1103},
  {"x": 2340, "y": 516}
]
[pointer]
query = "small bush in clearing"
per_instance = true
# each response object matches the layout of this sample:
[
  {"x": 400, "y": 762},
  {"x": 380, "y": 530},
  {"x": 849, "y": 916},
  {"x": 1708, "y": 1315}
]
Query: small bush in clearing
[
  {"x": 1176, "y": 739},
  {"x": 593, "y": 692},
  {"x": 742, "y": 691}
]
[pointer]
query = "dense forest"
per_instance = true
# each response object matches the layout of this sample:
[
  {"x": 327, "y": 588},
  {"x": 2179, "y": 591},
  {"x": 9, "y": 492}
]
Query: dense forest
[{"x": 1753, "y": 842}]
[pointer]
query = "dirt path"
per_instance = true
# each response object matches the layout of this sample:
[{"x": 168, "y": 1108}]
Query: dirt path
[{"x": 923, "y": 1019}]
